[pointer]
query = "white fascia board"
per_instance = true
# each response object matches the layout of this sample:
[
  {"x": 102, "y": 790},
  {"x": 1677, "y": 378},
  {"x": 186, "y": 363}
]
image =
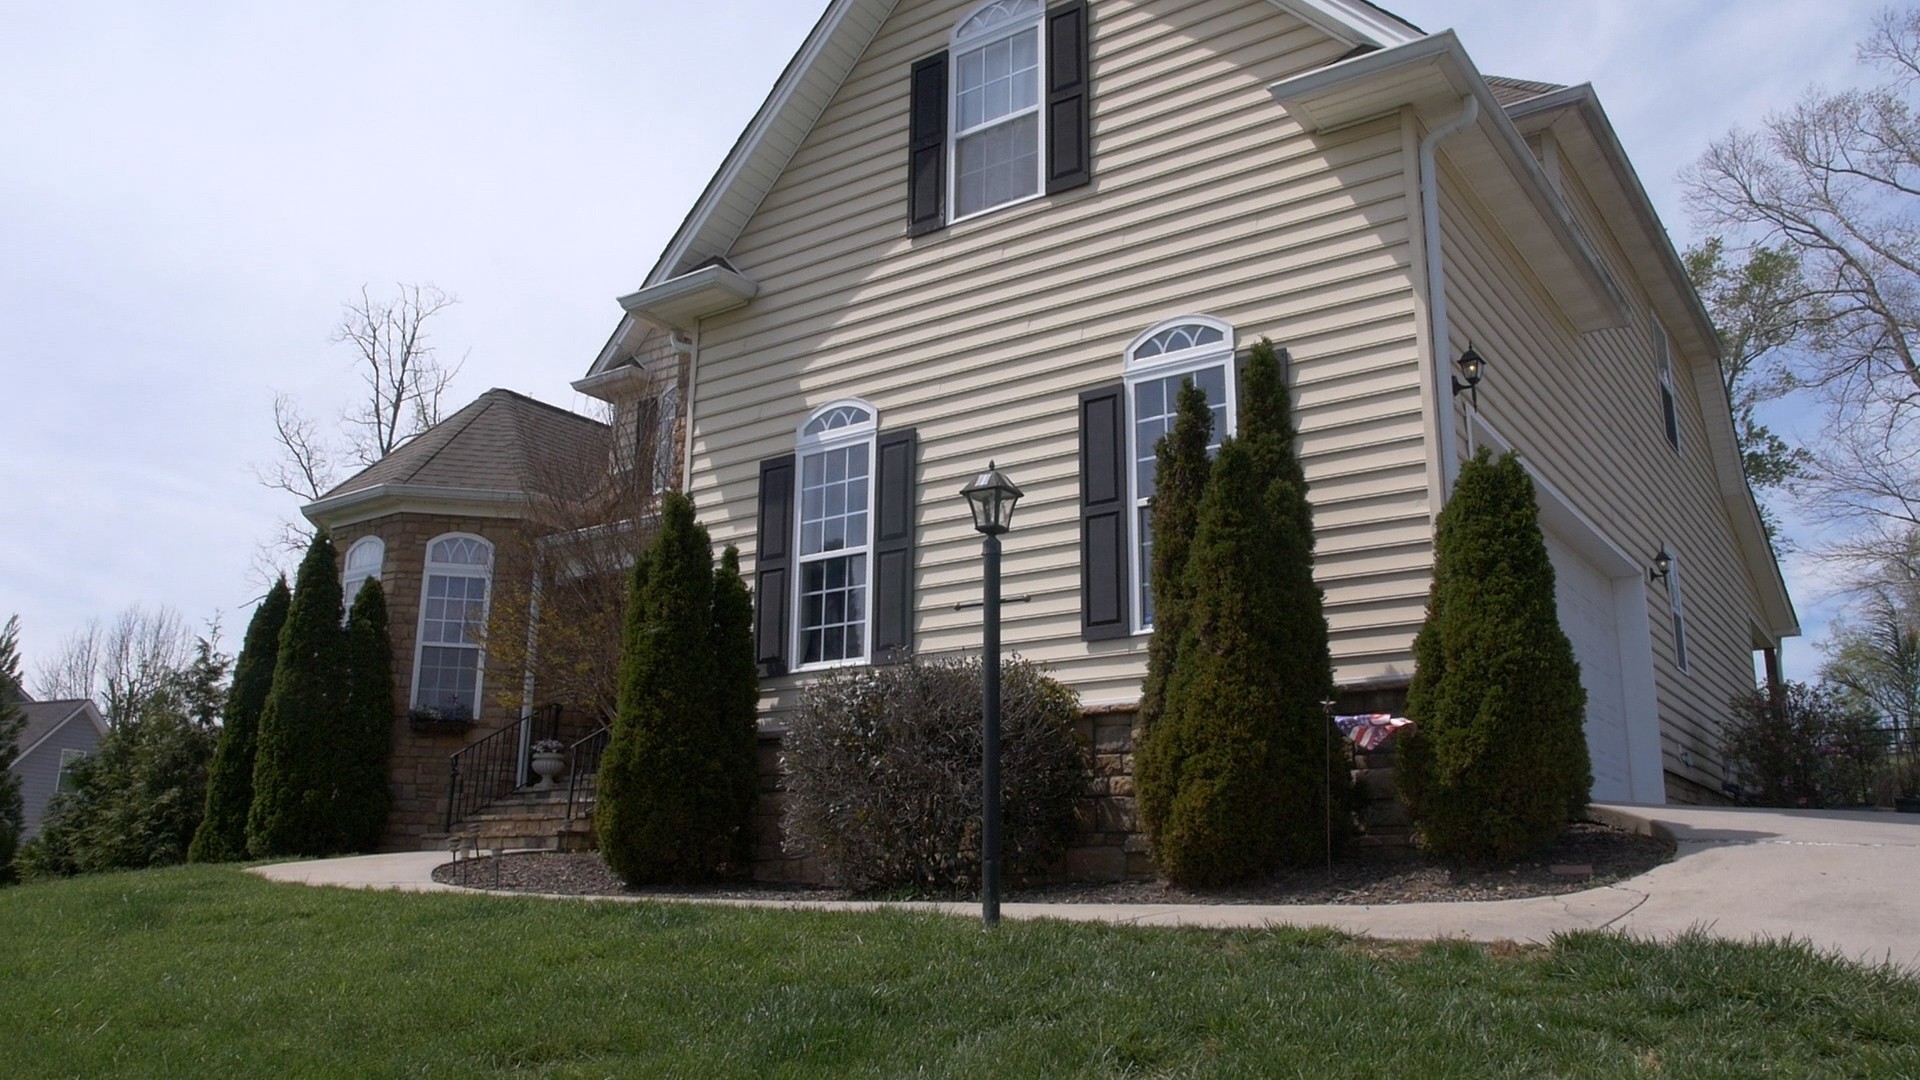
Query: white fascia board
[
  {"x": 680, "y": 303},
  {"x": 615, "y": 383},
  {"x": 1355, "y": 23},
  {"x": 739, "y": 184},
  {"x": 610, "y": 352},
  {"x": 1583, "y": 104},
  {"x": 1432, "y": 74},
  {"x": 383, "y": 499}
]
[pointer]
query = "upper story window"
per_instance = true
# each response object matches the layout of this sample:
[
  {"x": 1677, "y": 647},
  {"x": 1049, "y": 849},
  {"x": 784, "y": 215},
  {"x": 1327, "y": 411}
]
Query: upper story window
[
  {"x": 996, "y": 119},
  {"x": 364, "y": 561},
  {"x": 1001, "y": 116},
  {"x": 1663, "y": 367},
  {"x": 69, "y": 758},
  {"x": 833, "y": 577},
  {"x": 453, "y": 614},
  {"x": 1190, "y": 347}
]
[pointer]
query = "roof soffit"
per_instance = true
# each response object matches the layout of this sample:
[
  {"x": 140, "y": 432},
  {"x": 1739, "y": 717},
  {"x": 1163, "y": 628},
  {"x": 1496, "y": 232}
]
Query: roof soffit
[
  {"x": 1432, "y": 75},
  {"x": 813, "y": 77}
]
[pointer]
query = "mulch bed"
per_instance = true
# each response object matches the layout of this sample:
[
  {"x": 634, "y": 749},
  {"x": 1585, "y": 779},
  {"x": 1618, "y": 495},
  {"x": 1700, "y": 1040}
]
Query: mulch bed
[{"x": 1588, "y": 855}]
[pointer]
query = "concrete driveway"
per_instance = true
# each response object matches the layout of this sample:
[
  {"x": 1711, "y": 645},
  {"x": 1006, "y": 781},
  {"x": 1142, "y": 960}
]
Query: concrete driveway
[{"x": 1849, "y": 882}]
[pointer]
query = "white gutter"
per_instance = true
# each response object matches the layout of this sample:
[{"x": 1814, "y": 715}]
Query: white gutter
[
  {"x": 1442, "y": 387},
  {"x": 690, "y": 350}
]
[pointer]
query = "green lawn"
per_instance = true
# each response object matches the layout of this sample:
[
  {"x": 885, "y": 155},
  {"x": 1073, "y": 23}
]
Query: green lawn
[{"x": 209, "y": 972}]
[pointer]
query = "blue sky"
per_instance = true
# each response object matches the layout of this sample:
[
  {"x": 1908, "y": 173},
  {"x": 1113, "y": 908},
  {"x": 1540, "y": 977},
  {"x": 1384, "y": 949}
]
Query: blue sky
[{"x": 189, "y": 191}]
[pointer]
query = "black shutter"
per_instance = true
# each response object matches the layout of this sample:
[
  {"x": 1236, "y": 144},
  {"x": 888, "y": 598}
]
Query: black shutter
[
  {"x": 927, "y": 147},
  {"x": 893, "y": 546},
  {"x": 1104, "y": 513},
  {"x": 772, "y": 567},
  {"x": 1069, "y": 113}
]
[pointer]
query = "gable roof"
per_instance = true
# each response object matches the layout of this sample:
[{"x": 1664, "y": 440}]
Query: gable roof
[
  {"x": 815, "y": 73},
  {"x": 46, "y": 717},
  {"x": 501, "y": 447}
]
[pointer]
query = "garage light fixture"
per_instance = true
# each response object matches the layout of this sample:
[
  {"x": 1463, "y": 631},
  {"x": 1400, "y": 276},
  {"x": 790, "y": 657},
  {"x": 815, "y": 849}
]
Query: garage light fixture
[
  {"x": 1662, "y": 566},
  {"x": 1471, "y": 366}
]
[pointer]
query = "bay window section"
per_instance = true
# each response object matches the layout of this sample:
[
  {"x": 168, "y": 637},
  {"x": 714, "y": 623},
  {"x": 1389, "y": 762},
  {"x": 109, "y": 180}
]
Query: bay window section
[{"x": 453, "y": 613}]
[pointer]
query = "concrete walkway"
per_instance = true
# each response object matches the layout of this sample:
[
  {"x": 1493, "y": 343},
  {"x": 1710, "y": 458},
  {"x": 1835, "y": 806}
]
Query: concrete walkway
[{"x": 1847, "y": 881}]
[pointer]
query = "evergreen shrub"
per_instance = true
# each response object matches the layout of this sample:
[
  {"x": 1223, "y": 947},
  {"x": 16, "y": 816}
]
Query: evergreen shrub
[
  {"x": 677, "y": 780},
  {"x": 364, "y": 798},
  {"x": 304, "y": 737},
  {"x": 1496, "y": 765},
  {"x": 883, "y": 774},
  {"x": 222, "y": 834}
]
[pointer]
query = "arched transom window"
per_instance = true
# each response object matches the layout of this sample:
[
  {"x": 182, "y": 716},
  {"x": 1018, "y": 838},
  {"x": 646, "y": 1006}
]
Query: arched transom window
[
  {"x": 1168, "y": 354},
  {"x": 453, "y": 613},
  {"x": 833, "y": 576},
  {"x": 364, "y": 560}
]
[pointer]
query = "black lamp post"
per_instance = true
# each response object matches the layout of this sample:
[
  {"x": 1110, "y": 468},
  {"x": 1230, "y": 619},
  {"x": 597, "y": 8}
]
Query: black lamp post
[{"x": 991, "y": 497}]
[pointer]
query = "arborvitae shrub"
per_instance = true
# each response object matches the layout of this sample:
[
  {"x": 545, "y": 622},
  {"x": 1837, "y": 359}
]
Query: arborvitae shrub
[
  {"x": 1181, "y": 465},
  {"x": 1213, "y": 758},
  {"x": 736, "y": 699},
  {"x": 1314, "y": 763},
  {"x": 1243, "y": 770},
  {"x": 13, "y": 721},
  {"x": 883, "y": 774},
  {"x": 223, "y": 830},
  {"x": 364, "y": 797},
  {"x": 670, "y": 806},
  {"x": 303, "y": 728},
  {"x": 1497, "y": 763}
]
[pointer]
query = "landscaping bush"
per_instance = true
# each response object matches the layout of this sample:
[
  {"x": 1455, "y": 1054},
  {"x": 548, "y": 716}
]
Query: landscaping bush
[
  {"x": 1817, "y": 750},
  {"x": 304, "y": 734},
  {"x": 883, "y": 774},
  {"x": 13, "y": 721},
  {"x": 676, "y": 783},
  {"x": 363, "y": 798},
  {"x": 1181, "y": 466},
  {"x": 138, "y": 801},
  {"x": 1497, "y": 763},
  {"x": 222, "y": 834},
  {"x": 1243, "y": 770}
]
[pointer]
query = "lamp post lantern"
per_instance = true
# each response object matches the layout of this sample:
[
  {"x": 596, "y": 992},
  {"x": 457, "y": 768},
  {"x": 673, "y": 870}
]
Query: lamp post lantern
[{"x": 990, "y": 496}]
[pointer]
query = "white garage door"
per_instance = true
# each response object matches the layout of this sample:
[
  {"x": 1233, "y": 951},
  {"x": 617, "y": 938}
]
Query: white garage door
[{"x": 1587, "y": 615}]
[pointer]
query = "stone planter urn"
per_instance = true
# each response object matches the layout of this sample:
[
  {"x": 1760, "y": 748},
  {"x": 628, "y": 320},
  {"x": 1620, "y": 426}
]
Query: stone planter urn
[{"x": 549, "y": 765}]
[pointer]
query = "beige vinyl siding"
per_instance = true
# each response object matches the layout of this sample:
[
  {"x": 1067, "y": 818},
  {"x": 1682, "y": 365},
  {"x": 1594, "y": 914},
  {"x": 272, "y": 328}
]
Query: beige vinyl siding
[
  {"x": 1585, "y": 411},
  {"x": 1207, "y": 199}
]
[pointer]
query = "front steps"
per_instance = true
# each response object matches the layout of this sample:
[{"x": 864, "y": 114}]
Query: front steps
[{"x": 527, "y": 819}]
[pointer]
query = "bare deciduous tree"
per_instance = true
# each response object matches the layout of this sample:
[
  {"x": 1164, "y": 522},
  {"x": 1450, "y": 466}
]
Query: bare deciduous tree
[
  {"x": 404, "y": 383},
  {"x": 119, "y": 664},
  {"x": 1835, "y": 183}
]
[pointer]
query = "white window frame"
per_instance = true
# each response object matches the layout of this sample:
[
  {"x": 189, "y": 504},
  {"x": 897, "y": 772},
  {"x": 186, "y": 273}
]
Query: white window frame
[
  {"x": 352, "y": 579},
  {"x": 805, "y": 444},
  {"x": 1676, "y": 606},
  {"x": 420, "y": 643},
  {"x": 1669, "y": 398},
  {"x": 69, "y": 756},
  {"x": 1148, "y": 369},
  {"x": 963, "y": 43}
]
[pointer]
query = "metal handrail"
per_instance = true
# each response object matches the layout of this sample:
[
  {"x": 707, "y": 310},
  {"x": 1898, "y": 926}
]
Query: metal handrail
[
  {"x": 483, "y": 771},
  {"x": 583, "y": 780}
]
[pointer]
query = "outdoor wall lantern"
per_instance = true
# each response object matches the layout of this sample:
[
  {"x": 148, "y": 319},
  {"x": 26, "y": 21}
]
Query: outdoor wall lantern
[
  {"x": 1662, "y": 566},
  {"x": 991, "y": 497},
  {"x": 1471, "y": 366}
]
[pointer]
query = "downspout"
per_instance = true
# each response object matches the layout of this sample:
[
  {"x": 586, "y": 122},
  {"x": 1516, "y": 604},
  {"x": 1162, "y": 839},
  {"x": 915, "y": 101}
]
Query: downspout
[
  {"x": 691, "y": 350},
  {"x": 1442, "y": 387}
]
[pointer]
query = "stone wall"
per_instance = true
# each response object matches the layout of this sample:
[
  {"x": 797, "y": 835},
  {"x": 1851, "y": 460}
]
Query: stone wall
[{"x": 417, "y": 766}]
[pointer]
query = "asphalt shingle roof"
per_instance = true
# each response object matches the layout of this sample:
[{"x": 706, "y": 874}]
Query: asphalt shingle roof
[{"x": 502, "y": 441}]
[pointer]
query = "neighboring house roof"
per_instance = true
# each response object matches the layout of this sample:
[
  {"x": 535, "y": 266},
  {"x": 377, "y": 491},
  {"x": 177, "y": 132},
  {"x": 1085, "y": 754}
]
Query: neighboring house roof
[
  {"x": 46, "y": 717},
  {"x": 500, "y": 448}
]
